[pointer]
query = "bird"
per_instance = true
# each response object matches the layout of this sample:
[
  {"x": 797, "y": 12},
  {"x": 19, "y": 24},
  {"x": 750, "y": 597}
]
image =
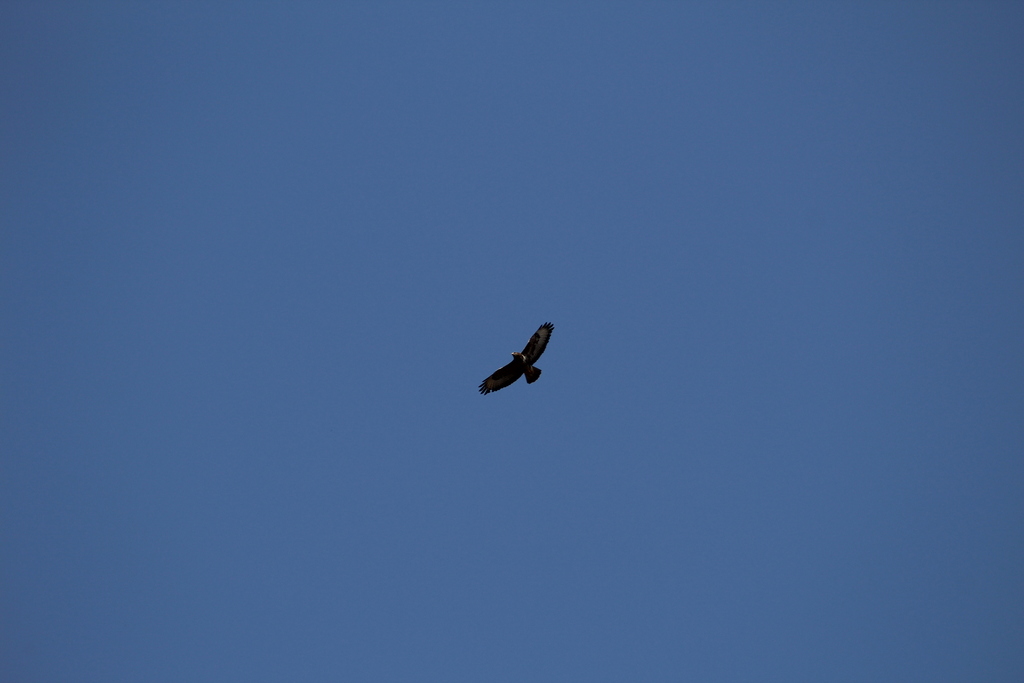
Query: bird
[{"x": 522, "y": 363}]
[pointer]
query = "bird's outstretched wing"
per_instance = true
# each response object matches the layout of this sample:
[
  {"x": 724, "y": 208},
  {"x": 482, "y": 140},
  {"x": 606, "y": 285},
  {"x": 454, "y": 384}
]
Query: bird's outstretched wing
[
  {"x": 538, "y": 342},
  {"x": 503, "y": 377}
]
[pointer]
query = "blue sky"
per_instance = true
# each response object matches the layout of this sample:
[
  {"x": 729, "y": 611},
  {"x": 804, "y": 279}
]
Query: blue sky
[{"x": 256, "y": 258}]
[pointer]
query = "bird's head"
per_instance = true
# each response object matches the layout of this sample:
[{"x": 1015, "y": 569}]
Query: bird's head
[{"x": 516, "y": 354}]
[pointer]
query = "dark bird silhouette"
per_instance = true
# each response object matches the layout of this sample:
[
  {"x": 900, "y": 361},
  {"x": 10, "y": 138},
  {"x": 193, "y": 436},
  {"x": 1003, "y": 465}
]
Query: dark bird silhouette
[{"x": 522, "y": 363}]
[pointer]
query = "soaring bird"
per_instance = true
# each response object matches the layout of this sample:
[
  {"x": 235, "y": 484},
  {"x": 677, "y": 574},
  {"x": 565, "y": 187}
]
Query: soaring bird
[{"x": 522, "y": 363}]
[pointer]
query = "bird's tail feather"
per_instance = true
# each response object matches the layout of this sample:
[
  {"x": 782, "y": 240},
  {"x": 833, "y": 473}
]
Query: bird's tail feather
[{"x": 532, "y": 374}]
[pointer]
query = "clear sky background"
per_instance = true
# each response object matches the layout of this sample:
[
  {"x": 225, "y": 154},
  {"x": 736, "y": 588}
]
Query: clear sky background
[{"x": 256, "y": 258}]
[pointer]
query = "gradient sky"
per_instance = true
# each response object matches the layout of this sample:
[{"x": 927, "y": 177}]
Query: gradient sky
[{"x": 256, "y": 258}]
